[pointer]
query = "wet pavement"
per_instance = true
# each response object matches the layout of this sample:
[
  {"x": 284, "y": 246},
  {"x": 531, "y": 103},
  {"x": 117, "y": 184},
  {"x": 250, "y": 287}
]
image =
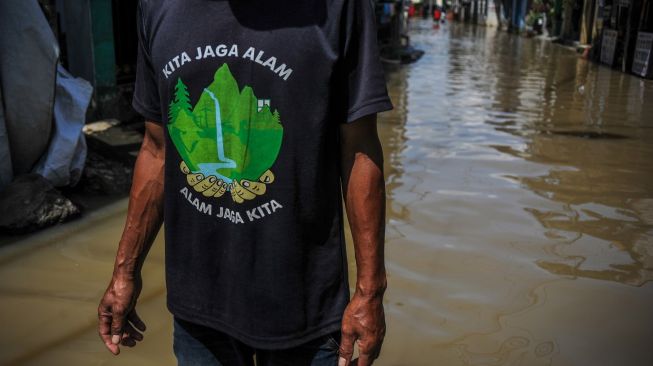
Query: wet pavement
[{"x": 520, "y": 221}]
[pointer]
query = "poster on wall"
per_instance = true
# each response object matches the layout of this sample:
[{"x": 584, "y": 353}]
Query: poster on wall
[
  {"x": 642, "y": 58},
  {"x": 608, "y": 46}
]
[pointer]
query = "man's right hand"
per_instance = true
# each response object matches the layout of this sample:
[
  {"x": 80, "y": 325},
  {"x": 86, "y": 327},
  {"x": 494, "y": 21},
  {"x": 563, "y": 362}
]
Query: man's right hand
[{"x": 118, "y": 321}]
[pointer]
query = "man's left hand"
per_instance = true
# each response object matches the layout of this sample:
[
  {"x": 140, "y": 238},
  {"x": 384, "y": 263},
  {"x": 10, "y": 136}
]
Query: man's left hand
[{"x": 363, "y": 323}]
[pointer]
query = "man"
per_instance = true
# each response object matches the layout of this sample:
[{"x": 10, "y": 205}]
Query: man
[{"x": 259, "y": 115}]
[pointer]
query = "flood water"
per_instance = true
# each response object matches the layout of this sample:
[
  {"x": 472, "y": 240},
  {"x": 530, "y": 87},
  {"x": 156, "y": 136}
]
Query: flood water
[{"x": 520, "y": 222}]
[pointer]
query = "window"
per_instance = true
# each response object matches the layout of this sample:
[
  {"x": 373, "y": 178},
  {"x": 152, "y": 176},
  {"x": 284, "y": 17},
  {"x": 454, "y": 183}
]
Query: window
[{"x": 262, "y": 103}]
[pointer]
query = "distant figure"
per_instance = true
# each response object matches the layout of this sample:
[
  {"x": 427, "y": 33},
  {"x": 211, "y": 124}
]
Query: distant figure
[
  {"x": 260, "y": 119},
  {"x": 437, "y": 14}
]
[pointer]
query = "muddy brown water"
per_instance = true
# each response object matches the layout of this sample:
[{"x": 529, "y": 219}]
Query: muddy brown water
[{"x": 520, "y": 222}]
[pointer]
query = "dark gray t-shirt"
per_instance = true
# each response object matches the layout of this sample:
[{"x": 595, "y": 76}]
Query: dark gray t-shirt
[{"x": 251, "y": 94}]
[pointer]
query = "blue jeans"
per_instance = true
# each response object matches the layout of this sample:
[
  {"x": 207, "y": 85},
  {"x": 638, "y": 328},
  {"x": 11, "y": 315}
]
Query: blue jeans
[{"x": 196, "y": 345}]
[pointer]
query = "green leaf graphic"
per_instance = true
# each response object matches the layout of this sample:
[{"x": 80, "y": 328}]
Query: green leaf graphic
[{"x": 248, "y": 137}]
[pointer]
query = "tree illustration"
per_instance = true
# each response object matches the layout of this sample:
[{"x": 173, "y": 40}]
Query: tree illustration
[
  {"x": 181, "y": 101},
  {"x": 276, "y": 116},
  {"x": 172, "y": 113}
]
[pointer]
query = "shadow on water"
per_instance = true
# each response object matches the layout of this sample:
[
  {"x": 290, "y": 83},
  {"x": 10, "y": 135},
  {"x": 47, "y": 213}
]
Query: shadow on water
[{"x": 588, "y": 134}]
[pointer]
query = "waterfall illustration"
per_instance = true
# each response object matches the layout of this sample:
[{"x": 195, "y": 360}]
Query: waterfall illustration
[
  {"x": 229, "y": 149},
  {"x": 209, "y": 169}
]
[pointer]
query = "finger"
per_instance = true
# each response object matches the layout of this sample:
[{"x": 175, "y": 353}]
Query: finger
[
  {"x": 184, "y": 167},
  {"x": 205, "y": 184},
  {"x": 376, "y": 353},
  {"x": 195, "y": 178},
  {"x": 346, "y": 350},
  {"x": 254, "y": 187},
  {"x": 136, "y": 320},
  {"x": 117, "y": 325},
  {"x": 267, "y": 177},
  {"x": 127, "y": 342},
  {"x": 213, "y": 188},
  {"x": 242, "y": 192},
  {"x": 104, "y": 330},
  {"x": 364, "y": 359},
  {"x": 132, "y": 333},
  {"x": 377, "y": 350}
]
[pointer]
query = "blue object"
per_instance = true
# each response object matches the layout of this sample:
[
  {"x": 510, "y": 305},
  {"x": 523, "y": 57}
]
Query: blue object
[{"x": 63, "y": 162}]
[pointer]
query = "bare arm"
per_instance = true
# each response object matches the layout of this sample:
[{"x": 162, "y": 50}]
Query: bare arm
[
  {"x": 364, "y": 193},
  {"x": 118, "y": 321}
]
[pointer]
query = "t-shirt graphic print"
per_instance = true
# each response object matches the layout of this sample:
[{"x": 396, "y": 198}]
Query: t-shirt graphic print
[{"x": 228, "y": 141}]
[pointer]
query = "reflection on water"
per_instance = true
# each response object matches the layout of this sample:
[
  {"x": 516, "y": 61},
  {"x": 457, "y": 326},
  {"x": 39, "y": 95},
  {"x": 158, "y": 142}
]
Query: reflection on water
[
  {"x": 521, "y": 206},
  {"x": 520, "y": 221}
]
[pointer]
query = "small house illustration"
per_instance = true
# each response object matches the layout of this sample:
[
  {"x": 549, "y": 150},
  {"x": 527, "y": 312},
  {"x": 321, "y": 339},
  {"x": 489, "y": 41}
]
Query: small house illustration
[{"x": 262, "y": 103}]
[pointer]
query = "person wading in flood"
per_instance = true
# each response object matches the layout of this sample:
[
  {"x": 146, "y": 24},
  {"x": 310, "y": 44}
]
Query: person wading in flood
[{"x": 260, "y": 118}]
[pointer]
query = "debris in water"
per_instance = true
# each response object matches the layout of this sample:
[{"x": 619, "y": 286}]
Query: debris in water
[
  {"x": 590, "y": 134},
  {"x": 30, "y": 202}
]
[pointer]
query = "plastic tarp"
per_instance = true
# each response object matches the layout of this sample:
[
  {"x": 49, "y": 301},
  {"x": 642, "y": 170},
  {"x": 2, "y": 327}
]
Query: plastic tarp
[
  {"x": 28, "y": 63},
  {"x": 64, "y": 160}
]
